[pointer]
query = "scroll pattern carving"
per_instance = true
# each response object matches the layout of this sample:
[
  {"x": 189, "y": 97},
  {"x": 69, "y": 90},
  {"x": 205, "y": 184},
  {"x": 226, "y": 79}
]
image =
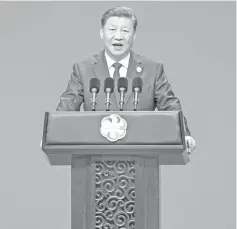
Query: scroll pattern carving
[{"x": 115, "y": 195}]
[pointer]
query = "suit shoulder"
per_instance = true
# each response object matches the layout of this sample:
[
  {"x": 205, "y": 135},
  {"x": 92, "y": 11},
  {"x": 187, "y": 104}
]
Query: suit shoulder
[
  {"x": 149, "y": 61},
  {"x": 87, "y": 60}
]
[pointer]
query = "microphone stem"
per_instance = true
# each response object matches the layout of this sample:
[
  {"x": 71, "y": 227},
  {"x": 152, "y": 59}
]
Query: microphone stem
[
  {"x": 121, "y": 103},
  {"x": 108, "y": 90},
  {"x": 93, "y": 99},
  {"x": 136, "y": 99}
]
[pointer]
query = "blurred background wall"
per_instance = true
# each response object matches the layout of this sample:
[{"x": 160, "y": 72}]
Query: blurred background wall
[{"x": 196, "y": 41}]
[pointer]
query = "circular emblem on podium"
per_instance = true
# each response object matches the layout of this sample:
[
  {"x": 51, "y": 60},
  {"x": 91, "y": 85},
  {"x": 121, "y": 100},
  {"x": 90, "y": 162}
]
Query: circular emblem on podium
[{"x": 113, "y": 127}]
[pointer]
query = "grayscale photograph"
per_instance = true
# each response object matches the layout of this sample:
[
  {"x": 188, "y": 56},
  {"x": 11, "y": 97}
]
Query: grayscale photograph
[{"x": 118, "y": 115}]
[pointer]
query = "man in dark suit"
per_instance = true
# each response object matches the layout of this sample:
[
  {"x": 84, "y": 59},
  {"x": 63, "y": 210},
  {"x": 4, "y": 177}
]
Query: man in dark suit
[{"x": 118, "y": 31}]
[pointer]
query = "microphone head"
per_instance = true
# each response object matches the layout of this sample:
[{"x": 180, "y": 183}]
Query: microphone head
[
  {"x": 109, "y": 83},
  {"x": 137, "y": 83},
  {"x": 95, "y": 83},
  {"x": 123, "y": 82}
]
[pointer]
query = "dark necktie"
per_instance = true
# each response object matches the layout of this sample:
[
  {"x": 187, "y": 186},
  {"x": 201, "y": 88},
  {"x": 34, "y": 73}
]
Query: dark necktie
[
  {"x": 116, "y": 76},
  {"x": 116, "y": 66}
]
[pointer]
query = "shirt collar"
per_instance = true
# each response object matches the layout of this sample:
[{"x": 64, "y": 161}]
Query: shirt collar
[{"x": 124, "y": 61}]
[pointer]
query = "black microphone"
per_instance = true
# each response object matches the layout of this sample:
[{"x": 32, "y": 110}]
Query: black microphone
[
  {"x": 136, "y": 88},
  {"x": 109, "y": 89},
  {"x": 122, "y": 89},
  {"x": 94, "y": 89}
]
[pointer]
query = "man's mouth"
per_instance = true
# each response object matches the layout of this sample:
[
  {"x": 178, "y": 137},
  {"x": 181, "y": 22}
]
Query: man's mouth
[{"x": 118, "y": 46}]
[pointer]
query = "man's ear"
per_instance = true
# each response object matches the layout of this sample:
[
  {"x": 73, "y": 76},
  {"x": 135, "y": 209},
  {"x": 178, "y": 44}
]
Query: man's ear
[
  {"x": 101, "y": 33},
  {"x": 134, "y": 35}
]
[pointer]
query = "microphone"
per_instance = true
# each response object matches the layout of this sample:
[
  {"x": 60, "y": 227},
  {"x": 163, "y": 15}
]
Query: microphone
[
  {"x": 94, "y": 89},
  {"x": 122, "y": 89},
  {"x": 108, "y": 89},
  {"x": 136, "y": 88}
]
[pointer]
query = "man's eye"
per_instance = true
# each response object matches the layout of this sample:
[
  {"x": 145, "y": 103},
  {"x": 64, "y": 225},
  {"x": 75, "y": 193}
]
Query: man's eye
[
  {"x": 112, "y": 29},
  {"x": 126, "y": 31}
]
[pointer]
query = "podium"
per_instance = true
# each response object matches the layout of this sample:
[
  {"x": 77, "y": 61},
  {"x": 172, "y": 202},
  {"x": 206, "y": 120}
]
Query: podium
[{"x": 115, "y": 160}]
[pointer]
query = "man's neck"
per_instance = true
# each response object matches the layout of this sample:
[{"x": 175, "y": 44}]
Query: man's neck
[
  {"x": 117, "y": 58},
  {"x": 124, "y": 61}
]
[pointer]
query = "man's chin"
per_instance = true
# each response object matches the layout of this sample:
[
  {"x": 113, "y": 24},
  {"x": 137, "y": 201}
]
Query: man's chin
[
  {"x": 117, "y": 54},
  {"x": 118, "y": 51}
]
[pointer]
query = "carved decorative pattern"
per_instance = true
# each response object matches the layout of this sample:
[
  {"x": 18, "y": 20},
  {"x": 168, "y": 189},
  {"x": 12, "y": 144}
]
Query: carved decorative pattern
[{"x": 115, "y": 195}]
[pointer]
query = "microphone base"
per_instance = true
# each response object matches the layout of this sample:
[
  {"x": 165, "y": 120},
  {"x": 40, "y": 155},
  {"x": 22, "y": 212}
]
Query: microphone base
[
  {"x": 107, "y": 107},
  {"x": 135, "y": 106}
]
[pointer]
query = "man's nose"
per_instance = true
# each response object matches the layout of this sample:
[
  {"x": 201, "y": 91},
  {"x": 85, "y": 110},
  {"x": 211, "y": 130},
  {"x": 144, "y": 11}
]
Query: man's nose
[{"x": 118, "y": 35}]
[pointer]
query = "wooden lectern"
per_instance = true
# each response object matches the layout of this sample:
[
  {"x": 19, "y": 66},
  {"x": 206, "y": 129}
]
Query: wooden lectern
[{"x": 115, "y": 183}]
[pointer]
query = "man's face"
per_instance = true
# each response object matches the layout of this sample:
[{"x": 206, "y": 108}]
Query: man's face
[{"x": 118, "y": 35}]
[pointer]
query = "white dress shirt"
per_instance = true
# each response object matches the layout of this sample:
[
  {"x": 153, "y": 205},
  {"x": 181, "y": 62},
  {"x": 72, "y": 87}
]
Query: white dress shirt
[{"x": 124, "y": 68}]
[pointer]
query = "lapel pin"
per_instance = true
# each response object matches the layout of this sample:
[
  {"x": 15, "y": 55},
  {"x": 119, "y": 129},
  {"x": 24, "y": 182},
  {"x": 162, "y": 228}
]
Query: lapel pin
[{"x": 139, "y": 69}]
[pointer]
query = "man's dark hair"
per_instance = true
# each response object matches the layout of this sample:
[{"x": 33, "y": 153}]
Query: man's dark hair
[{"x": 120, "y": 11}]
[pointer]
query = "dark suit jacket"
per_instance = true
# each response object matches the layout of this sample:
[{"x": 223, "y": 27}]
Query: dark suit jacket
[{"x": 156, "y": 91}]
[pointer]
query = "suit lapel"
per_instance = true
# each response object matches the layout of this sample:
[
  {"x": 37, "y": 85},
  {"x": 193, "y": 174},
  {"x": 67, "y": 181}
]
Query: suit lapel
[
  {"x": 101, "y": 70},
  {"x": 134, "y": 70}
]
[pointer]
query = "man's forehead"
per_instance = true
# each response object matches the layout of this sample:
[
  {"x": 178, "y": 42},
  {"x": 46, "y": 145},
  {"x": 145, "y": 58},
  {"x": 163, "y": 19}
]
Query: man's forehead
[{"x": 119, "y": 21}]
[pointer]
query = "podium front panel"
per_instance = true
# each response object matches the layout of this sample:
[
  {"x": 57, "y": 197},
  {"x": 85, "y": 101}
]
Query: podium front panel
[
  {"x": 143, "y": 128},
  {"x": 148, "y": 134}
]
